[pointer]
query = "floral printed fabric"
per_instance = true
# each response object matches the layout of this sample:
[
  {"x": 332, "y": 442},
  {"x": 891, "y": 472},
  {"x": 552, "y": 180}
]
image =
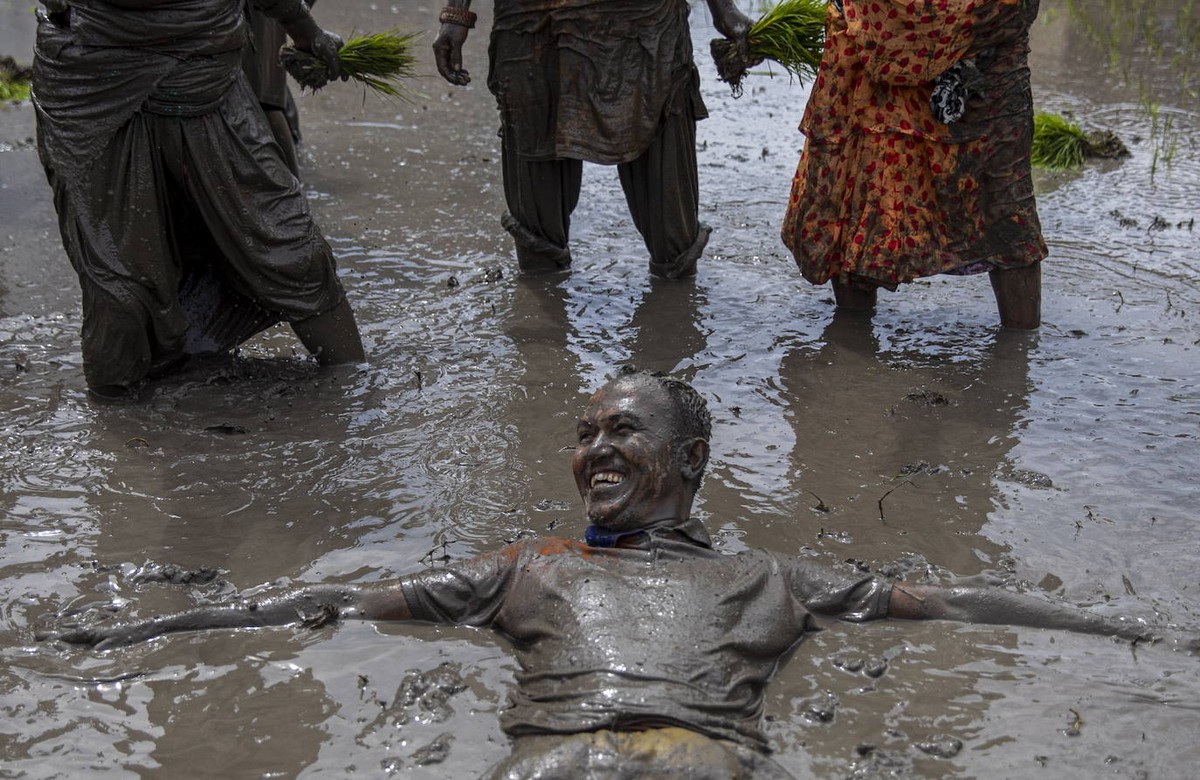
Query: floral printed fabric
[{"x": 885, "y": 192}]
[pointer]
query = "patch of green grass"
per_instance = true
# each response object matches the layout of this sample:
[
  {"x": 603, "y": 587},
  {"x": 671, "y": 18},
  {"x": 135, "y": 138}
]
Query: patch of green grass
[
  {"x": 1058, "y": 144},
  {"x": 14, "y": 90},
  {"x": 14, "y": 80},
  {"x": 380, "y": 61},
  {"x": 791, "y": 33}
]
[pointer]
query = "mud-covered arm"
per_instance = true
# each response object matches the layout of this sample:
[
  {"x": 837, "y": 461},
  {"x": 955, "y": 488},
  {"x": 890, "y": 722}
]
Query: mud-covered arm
[
  {"x": 997, "y": 606},
  {"x": 456, "y": 19},
  {"x": 294, "y": 17},
  {"x": 311, "y": 607},
  {"x": 728, "y": 20}
]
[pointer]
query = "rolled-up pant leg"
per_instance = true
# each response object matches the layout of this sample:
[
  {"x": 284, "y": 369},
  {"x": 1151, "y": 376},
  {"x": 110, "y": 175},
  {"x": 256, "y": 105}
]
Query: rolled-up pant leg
[
  {"x": 663, "y": 192},
  {"x": 541, "y": 195}
]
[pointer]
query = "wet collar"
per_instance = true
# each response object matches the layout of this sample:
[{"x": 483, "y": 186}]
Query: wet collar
[{"x": 691, "y": 529}]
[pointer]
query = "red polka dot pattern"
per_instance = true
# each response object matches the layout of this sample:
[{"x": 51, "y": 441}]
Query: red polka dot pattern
[{"x": 884, "y": 193}]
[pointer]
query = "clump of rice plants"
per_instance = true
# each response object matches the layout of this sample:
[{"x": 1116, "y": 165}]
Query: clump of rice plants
[
  {"x": 791, "y": 33},
  {"x": 1061, "y": 145},
  {"x": 14, "y": 80},
  {"x": 380, "y": 61}
]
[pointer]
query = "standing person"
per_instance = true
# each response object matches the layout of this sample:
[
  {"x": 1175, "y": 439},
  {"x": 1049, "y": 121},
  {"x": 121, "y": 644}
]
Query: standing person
[
  {"x": 187, "y": 230},
  {"x": 643, "y": 651},
  {"x": 604, "y": 81},
  {"x": 917, "y": 153}
]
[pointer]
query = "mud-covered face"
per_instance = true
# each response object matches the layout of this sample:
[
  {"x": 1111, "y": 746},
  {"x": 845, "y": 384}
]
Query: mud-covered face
[{"x": 625, "y": 464}]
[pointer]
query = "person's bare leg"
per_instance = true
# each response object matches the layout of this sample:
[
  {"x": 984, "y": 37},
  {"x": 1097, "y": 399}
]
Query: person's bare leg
[
  {"x": 1019, "y": 296},
  {"x": 333, "y": 336},
  {"x": 854, "y": 298}
]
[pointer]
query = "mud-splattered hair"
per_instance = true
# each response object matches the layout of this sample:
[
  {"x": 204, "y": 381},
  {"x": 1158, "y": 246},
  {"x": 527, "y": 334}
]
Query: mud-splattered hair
[{"x": 690, "y": 407}]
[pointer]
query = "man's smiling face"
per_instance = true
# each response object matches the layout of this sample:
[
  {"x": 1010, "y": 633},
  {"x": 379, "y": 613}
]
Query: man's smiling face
[{"x": 625, "y": 465}]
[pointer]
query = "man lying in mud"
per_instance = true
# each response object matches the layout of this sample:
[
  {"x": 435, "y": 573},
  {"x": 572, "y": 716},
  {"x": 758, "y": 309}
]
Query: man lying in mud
[{"x": 642, "y": 651}]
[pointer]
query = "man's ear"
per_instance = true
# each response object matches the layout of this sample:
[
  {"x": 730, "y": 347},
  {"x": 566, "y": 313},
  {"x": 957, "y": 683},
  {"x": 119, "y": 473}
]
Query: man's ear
[{"x": 695, "y": 458}]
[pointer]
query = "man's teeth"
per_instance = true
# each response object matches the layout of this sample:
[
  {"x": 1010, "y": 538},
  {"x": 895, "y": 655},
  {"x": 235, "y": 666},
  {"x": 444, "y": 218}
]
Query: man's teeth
[{"x": 610, "y": 477}]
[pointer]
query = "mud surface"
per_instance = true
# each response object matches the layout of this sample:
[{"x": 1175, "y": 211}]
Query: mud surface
[{"x": 922, "y": 442}]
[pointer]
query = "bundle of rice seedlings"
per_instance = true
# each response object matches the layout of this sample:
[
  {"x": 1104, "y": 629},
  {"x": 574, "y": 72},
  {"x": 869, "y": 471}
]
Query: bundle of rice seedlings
[
  {"x": 791, "y": 33},
  {"x": 14, "y": 80},
  {"x": 1061, "y": 145},
  {"x": 380, "y": 61}
]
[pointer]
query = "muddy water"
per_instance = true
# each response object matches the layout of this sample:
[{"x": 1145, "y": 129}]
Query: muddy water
[{"x": 923, "y": 442}]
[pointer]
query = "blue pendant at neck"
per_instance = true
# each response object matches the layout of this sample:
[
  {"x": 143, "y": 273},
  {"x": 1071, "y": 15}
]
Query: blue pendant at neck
[{"x": 601, "y": 537}]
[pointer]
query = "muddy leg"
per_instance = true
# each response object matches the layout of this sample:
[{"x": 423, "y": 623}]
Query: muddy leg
[
  {"x": 333, "y": 336},
  {"x": 852, "y": 297},
  {"x": 1019, "y": 296}
]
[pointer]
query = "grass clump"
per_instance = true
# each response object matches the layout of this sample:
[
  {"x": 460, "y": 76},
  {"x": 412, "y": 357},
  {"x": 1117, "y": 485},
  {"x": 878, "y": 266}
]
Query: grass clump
[
  {"x": 1058, "y": 144},
  {"x": 791, "y": 33},
  {"x": 14, "y": 80},
  {"x": 380, "y": 61},
  {"x": 1061, "y": 145}
]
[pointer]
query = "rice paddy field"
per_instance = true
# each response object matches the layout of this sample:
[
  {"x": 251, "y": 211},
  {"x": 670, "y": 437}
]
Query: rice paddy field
[{"x": 923, "y": 441}]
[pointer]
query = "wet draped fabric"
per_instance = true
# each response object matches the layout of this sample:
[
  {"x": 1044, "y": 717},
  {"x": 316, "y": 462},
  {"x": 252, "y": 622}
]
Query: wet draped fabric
[
  {"x": 661, "y": 188},
  {"x": 186, "y": 229},
  {"x": 604, "y": 81},
  {"x": 590, "y": 79},
  {"x": 885, "y": 193},
  {"x": 260, "y": 61},
  {"x": 671, "y": 634}
]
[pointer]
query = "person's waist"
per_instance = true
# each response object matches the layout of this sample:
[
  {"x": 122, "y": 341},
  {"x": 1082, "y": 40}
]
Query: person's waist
[
  {"x": 196, "y": 86},
  {"x": 195, "y": 28}
]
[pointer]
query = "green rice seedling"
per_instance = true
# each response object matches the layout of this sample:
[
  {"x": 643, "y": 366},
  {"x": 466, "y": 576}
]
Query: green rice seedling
[
  {"x": 380, "y": 61},
  {"x": 791, "y": 33},
  {"x": 1058, "y": 144},
  {"x": 14, "y": 80},
  {"x": 1061, "y": 145}
]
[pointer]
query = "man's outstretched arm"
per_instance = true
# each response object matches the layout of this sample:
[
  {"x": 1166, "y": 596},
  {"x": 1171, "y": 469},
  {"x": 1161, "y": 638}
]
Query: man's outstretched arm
[
  {"x": 312, "y": 607},
  {"x": 996, "y": 606}
]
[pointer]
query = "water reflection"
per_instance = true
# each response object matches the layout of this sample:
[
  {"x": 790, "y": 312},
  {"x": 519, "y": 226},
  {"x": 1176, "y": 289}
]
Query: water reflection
[{"x": 897, "y": 447}]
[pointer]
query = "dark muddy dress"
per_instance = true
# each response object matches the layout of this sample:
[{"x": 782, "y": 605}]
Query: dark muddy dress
[
  {"x": 885, "y": 192},
  {"x": 188, "y": 232},
  {"x": 671, "y": 641},
  {"x": 268, "y": 79},
  {"x": 603, "y": 81}
]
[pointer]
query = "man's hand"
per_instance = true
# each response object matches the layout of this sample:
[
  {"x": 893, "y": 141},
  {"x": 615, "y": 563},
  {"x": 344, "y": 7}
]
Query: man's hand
[
  {"x": 731, "y": 54},
  {"x": 447, "y": 52},
  {"x": 322, "y": 44},
  {"x": 729, "y": 21}
]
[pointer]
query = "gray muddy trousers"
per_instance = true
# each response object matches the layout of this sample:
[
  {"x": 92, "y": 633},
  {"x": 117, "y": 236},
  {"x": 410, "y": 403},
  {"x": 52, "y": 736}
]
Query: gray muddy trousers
[{"x": 603, "y": 81}]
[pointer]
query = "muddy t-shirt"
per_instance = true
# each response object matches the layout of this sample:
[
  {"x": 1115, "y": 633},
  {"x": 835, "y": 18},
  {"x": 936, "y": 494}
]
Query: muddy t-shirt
[{"x": 675, "y": 633}]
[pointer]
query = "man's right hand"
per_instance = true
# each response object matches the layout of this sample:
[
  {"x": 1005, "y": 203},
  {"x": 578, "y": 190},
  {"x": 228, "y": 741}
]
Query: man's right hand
[{"x": 447, "y": 51}]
